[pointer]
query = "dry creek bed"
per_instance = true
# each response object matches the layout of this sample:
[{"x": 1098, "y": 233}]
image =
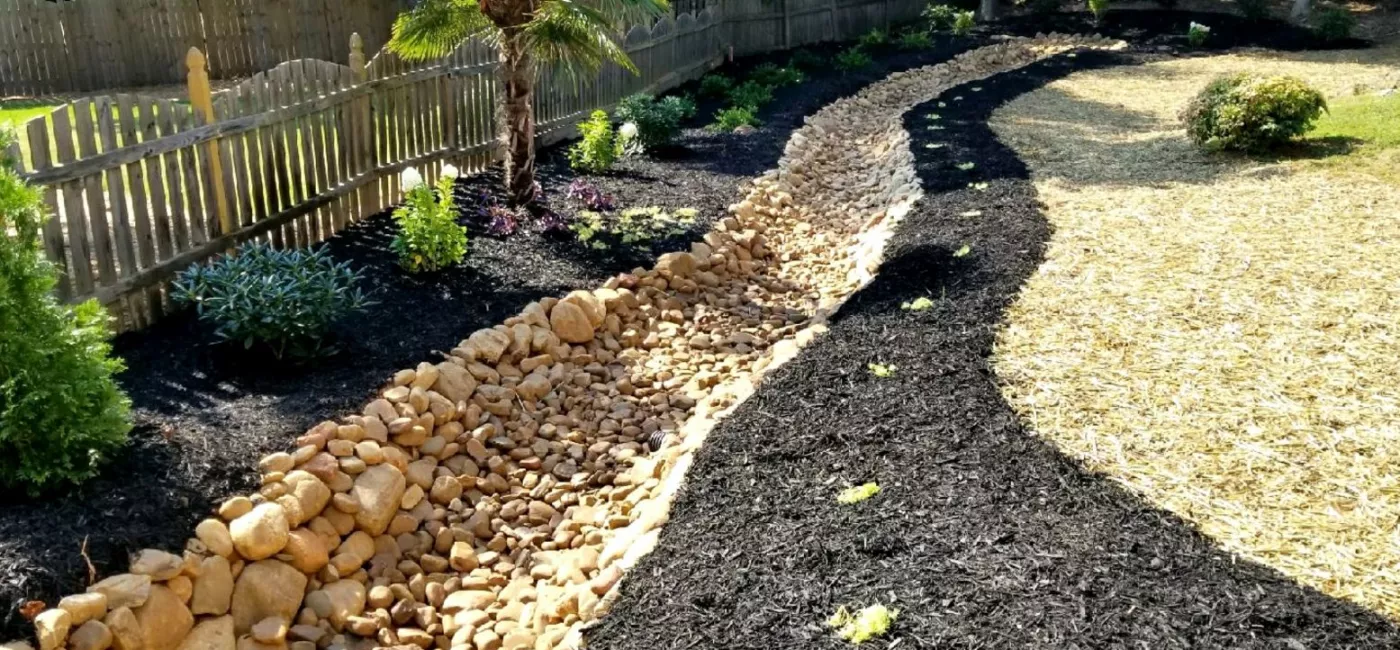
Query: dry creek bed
[{"x": 494, "y": 499}]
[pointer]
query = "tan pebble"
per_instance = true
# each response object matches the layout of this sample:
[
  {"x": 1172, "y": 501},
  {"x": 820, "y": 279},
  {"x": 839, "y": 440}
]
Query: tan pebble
[{"x": 235, "y": 507}]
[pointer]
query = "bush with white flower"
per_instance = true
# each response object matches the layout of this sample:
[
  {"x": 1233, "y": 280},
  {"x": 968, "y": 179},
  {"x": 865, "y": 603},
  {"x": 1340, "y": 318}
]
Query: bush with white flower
[
  {"x": 429, "y": 236},
  {"x": 1197, "y": 34},
  {"x": 650, "y": 123}
]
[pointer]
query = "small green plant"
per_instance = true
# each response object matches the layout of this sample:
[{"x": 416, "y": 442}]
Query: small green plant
[
  {"x": 429, "y": 237},
  {"x": 874, "y": 38},
  {"x": 962, "y": 252},
  {"x": 915, "y": 40},
  {"x": 286, "y": 300},
  {"x": 964, "y": 22},
  {"x": 882, "y": 370},
  {"x": 864, "y": 625},
  {"x": 1334, "y": 24},
  {"x": 805, "y": 59},
  {"x": 751, "y": 94},
  {"x": 852, "y": 59},
  {"x": 939, "y": 16},
  {"x": 772, "y": 74},
  {"x": 1244, "y": 112},
  {"x": 1098, "y": 8},
  {"x": 967, "y": 166},
  {"x": 857, "y": 493},
  {"x": 918, "y": 304},
  {"x": 61, "y": 413},
  {"x": 632, "y": 227},
  {"x": 1197, "y": 34},
  {"x": 730, "y": 119},
  {"x": 979, "y": 186},
  {"x": 598, "y": 150},
  {"x": 1255, "y": 10},
  {"x": 655, "y": 123},
  {"x": 715, "y": 85}
]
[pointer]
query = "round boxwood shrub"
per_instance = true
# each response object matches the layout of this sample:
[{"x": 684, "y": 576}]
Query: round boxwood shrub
[
  {"x": 61, "y": 413},
  {"x": 1244, "y": 112}
]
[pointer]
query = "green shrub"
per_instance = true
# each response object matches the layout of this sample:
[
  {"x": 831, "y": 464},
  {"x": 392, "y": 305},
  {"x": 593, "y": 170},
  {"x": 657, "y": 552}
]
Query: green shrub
[
  {"x": 805, "y": 59},
  {"x": 656, "y": 123},
  {"x": 61, "y": 414},
  {"x": 1334, "y": 24},
  {"x": 715, "y": 85},
  {"x": 772, "y": 74},
  {"x": 751, "y": 94},
  {"x": 734, "y": 117},
  {"x": 852, "y": 59},
  {"x": 874, "y": 38},
  {"x": 964, "y": 22},
  {"x": 287, "y": 300},
  {"x": 914, "y": 41},
  {"x": 1254, "y": 9},
  {"x": 1243, "y": 112},
  {"x": 598, "y": 149},
  {"x": 1098, "y": 8},
  {"x": 1197, "y": 34},
  {"x": 939, "y": 16},
  {"x": 429, "y": 237}
]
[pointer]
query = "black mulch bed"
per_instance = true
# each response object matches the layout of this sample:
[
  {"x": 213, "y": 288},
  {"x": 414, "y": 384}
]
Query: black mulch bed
[
  {"x": 982, "y": 536},
  {"x": 204, "y": 414},
  {"x": 1155, "y": 27}
]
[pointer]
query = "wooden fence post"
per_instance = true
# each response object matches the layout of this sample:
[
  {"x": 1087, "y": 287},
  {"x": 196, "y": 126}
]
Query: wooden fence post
[
  {"x": 363, "y": 154},
  {"x": 203, "y": 102}
]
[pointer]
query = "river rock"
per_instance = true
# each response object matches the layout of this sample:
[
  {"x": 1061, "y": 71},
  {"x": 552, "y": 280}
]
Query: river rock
[
  {"x": 260, "y": 533},
  {"x": 164, "y": 620},
  {"x": 379, "y": 490},
  {"x": 213, "y": 588},
  {"x": 211, "y": 634},
  {"x": 570, "y": 323},
  {"x": 266, "y": 588}
]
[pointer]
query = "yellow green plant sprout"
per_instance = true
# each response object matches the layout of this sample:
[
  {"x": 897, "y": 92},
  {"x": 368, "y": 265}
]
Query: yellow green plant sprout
[
  {"x": 882, "y": 370},
  {"x": 857, "y": 493},
  {"x": 918, "y": 304},
  {"x": 864, "y": 625}
]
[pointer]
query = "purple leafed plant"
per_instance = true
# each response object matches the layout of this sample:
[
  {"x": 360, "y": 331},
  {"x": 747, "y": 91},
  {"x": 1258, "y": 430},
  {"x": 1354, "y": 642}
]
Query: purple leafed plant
[
  {"x": 550, "y": 221},
  {"x": 590, "y": 196},
  {"x": 502, "y": 220}
]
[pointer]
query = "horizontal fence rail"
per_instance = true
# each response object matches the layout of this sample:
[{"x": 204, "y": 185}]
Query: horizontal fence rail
[{"x": 141, "y": 187}]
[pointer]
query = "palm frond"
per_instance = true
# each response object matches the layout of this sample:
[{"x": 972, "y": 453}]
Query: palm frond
[
  {"x": 576, "y": 36},
  {"x": 632, "y": 12},
  {"x": 433, "y": 28}
]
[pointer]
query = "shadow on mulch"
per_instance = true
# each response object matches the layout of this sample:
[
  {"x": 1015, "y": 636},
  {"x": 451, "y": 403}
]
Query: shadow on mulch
[
  {"x": 205, "y": 414},
  {"x": 983, "y": 536}
]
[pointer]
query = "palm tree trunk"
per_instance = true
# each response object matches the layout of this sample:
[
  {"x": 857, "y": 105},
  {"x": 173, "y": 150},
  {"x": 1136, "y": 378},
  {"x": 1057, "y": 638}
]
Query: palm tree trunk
[
  {"x": 518, "y": 117},
  {"x": 988, "y": 10}
]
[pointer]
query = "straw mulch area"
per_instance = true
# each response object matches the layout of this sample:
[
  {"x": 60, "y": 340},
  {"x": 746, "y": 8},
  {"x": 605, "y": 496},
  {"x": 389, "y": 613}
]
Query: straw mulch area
[{"x": 1220, "y": 335}]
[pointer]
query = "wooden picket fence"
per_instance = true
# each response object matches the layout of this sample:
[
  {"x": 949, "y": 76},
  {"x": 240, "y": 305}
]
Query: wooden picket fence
[
  {"x": 58, "y": 47},
  {"x": 141, "y": 187}
]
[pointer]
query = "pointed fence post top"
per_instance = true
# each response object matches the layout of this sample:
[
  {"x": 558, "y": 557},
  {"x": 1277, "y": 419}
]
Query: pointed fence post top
[
  {"x": 357, "y": 57},
  {"x": 195, "y": 61}
]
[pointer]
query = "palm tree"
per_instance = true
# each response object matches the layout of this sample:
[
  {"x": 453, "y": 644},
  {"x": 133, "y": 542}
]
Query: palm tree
[{"x": 578, "y": 35}]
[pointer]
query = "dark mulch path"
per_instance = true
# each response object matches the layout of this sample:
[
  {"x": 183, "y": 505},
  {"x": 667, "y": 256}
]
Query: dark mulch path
[
  {"x": 1157, "y": 27},
  {"x": 204, "y": 415},
  {"x": 983, "y": 536}
]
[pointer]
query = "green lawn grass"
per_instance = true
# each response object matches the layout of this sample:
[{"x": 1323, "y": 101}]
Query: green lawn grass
[
  {"x": 1371, "y": 124},
  {"x": 20, "y": 112}
]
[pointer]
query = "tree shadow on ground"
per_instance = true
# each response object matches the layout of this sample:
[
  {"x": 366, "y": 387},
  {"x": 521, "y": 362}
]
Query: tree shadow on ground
[{"x": 983, "y": 535}]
